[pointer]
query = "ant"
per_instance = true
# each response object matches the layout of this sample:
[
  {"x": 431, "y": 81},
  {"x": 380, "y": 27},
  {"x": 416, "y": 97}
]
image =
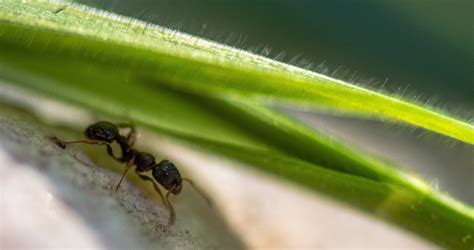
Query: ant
[{"x": 164, "y": 172}]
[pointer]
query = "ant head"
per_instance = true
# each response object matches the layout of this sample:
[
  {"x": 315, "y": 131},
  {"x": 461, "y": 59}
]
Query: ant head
[
  {"x": 102, "y": 131},
  {"x": 168, "y": 176}
]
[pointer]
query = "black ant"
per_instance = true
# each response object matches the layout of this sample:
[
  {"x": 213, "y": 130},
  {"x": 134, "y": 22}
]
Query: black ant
[{"x": 165, "y": 172}]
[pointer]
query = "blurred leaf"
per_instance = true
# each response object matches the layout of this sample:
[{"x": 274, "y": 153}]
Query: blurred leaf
[{"x": 200, "y": 66}]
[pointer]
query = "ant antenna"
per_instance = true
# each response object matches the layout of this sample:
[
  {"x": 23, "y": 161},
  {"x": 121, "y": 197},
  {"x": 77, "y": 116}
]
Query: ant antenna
[{"x": 208, "y": 200}]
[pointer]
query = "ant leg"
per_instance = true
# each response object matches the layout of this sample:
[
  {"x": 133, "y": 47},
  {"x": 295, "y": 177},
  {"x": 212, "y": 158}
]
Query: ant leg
[
  {"x": 111, "y": 153},
  {"x": 132, "y": 135},
  {"x": 208, "y": 200},
  {"x": 172, "y": 212},
  {"x": 127, "y": 167},
  {"x": 63, "y": 144},
  {"x": 157, "y": 189}
]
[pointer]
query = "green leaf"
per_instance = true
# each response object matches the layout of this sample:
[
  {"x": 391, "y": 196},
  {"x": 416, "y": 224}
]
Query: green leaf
[
  {"x": 201, "y": 66},
  {"x": 213, "y": 96}
]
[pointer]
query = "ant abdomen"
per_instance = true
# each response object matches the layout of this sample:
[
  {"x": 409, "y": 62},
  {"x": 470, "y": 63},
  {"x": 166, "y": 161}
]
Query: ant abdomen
[
  {"x": 102, "y": 131},
  {"x": 168, "y": 176}
]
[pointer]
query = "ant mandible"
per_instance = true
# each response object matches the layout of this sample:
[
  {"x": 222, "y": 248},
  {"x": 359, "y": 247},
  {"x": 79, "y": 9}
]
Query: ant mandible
[{"x": 165, "y": 172}]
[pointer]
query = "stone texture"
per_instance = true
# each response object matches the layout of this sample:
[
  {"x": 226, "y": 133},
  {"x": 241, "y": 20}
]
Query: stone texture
[{"x": 52, "y": 197}]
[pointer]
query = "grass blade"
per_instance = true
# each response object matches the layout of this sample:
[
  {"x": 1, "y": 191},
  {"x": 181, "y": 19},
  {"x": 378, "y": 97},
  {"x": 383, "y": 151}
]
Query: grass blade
[{"x": 201, "y": 66}]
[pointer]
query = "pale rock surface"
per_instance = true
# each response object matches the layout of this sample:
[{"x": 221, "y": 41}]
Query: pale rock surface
[{"x": 55, "y": 198}]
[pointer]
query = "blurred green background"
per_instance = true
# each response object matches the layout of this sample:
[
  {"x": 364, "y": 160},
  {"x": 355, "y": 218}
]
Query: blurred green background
[{"x": 421, "y": 49}]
